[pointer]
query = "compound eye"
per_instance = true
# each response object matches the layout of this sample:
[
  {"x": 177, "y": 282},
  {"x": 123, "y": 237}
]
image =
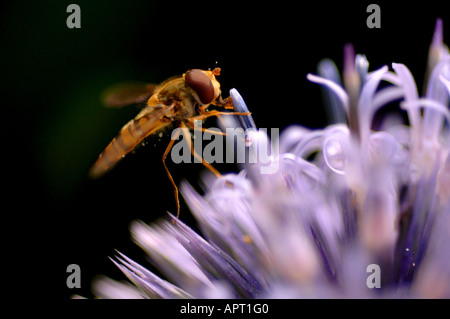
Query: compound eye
[{"x": 201, "y": 84}]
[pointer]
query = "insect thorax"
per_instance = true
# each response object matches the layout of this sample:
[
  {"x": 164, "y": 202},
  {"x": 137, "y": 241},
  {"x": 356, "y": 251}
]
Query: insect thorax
[{"x": 179, "y": 96}]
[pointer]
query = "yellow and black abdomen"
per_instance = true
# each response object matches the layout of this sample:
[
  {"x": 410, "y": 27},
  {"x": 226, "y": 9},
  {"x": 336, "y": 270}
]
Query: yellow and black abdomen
[{"x": 130, "y": 136}]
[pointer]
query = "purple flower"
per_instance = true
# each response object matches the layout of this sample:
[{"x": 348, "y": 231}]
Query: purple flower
[{"x": 340, "y": 199}]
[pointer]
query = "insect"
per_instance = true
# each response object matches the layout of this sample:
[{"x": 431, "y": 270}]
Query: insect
[{"x": 180, "y": 101}]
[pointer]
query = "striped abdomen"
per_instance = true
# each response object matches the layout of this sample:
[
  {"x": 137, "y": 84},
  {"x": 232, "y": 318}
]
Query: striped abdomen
[{"x": 130, "y": 136}]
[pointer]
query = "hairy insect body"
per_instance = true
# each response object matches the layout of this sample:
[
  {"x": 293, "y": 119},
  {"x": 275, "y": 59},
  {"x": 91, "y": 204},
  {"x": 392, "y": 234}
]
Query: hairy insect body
[{"x": 180, "y": 100}]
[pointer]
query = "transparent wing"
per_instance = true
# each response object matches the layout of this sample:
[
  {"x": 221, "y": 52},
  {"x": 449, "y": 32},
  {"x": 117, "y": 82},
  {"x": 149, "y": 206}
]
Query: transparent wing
[{"x": 127, "y": 93}]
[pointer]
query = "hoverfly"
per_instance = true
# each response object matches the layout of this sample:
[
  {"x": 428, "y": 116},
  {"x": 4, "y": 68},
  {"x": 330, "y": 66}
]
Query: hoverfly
[{"x": 180, "y": 101}]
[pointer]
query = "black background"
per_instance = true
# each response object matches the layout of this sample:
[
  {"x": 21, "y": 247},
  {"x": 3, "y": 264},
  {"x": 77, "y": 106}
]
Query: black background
[{"x": 55, "y": 126}]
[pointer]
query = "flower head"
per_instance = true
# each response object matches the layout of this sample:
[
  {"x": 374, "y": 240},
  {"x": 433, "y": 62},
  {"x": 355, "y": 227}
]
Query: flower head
[{"x": 340, "y": 199}]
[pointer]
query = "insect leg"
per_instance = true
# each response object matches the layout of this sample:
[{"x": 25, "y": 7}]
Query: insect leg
[
  {"x": 187, "y": 134},
  {"x": 205, "y": 130},
  {"x": 191, "y": 124},
  {"x": 226, "y": 104},
  {"x": 203, "y": 115},
  {"x": 175, "y": 188},
  {"x": 227, "y": 107}
]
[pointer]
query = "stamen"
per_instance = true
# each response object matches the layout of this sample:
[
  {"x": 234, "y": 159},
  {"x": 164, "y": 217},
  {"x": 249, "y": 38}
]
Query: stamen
[
  {"x": 352, "y": 84},
  {"x": 410, "y": 90},
  {"x": 336, "y": 88},
  {"x": 428, "y": 104},
  {"x": 365, "y": 102},
  {"x": 335, "y": 110}
]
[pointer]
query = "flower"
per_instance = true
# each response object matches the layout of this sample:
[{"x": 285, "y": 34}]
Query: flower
[{"x": 341, "y": 199}]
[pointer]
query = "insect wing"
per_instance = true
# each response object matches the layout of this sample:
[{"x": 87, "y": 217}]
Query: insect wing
[
  {"x": 130, "y": 136},
  {"x": 127, "y": 93}
]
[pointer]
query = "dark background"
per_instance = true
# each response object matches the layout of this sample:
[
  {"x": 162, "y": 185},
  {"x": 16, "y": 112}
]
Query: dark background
[{"x": 55, "y": 125}]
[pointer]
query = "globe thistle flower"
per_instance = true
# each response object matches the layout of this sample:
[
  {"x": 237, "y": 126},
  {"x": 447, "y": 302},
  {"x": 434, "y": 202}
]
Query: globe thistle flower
[{"x": 339, "y": 202}]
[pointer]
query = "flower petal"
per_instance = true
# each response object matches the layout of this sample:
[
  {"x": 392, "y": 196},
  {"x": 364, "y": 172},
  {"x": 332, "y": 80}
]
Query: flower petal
[
  {"x": 216, "y": 263},
  {"x": 246, "y": 121}
]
